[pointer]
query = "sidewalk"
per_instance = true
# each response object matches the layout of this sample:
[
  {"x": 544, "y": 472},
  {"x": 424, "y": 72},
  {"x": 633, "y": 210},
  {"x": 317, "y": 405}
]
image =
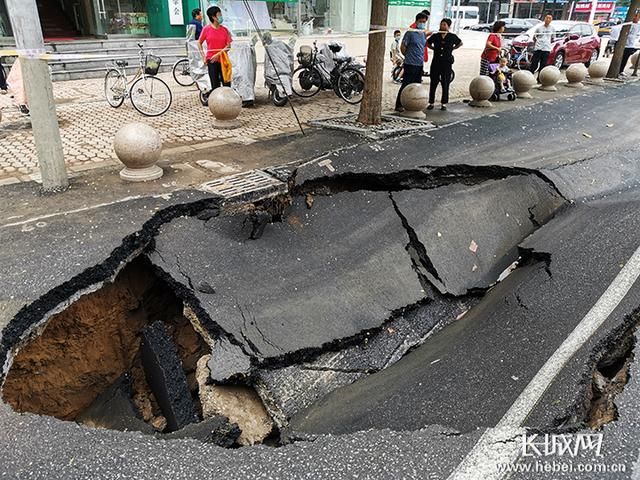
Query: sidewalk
[{"x": 88, "y": 124}]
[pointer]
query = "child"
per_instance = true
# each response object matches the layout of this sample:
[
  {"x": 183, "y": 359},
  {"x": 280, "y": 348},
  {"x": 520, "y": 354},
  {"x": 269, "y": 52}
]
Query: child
[
  {"x": 397, "y": 59},
  {"x": 504, "y": 73}
]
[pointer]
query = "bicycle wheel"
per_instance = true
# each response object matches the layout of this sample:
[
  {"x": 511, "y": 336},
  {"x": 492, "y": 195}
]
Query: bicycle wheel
[
  {"x": 182, "y": 73},
  {"x": 350, "y": 85},
  {"x": 306, "y": 81},
  {"x": 150, "y": 96},
  {"x": 115, "y": 87},
  {"x": 396, "y": 73}
]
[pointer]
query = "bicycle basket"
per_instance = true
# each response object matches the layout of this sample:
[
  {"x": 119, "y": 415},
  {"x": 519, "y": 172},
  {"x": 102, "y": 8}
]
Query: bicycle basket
[
  {"x": 152, "y": 64},
  {"x": 305, "y": 57}
]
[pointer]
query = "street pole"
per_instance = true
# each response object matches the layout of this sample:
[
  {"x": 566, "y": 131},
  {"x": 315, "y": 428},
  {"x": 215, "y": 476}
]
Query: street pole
[
  {"x": 35, "y": 72},
  {"x": 592, "y": 13}
]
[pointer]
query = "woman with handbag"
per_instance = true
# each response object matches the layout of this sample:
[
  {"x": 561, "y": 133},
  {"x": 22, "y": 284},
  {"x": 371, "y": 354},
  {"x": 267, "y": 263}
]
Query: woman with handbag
[{"x": 218, "y": 40}]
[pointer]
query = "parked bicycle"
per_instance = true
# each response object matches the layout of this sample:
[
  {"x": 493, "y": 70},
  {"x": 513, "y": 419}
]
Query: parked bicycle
[
  {"x": 149, "y": 95},
  {"x": 398, "y": 71},
  {"x": 182, "y": 73},
  {"x": 346, "y": 79}
]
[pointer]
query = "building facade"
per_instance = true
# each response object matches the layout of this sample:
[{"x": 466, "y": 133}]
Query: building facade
[{"x": 71, "y": 19}]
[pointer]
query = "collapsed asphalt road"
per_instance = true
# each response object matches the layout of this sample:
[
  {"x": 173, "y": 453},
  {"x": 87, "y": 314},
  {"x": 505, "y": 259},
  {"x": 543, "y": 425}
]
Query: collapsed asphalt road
[{"x": 363, "y": 301}]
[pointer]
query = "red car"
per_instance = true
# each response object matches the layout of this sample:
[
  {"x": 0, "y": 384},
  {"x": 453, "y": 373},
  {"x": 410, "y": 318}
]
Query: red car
[{"x": 576, "y": 42}]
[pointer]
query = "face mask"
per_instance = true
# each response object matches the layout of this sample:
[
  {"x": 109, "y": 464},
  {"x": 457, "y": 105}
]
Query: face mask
[
  {"x": 220, "y": 20},
  {"x": 397, "y": 37},
  {"x": 421, "y": 26}
]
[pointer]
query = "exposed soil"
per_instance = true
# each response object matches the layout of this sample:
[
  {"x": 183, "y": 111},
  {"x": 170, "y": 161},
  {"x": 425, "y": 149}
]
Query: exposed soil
[{"x": 85, "y": 348}]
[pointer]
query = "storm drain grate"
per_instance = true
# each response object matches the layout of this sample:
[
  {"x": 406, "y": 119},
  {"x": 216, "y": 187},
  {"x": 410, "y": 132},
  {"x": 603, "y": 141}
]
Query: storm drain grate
[
  {"x": 391, "y": 125},
  {"x": 252, "y": 185}
]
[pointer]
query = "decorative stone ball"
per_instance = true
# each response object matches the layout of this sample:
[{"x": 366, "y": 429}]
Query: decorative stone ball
[
  {"x": 523, "y": 81},
  {"x": 225, "y": 105},
  {"x": 414, "y": 100},
  {"x": 633, "y": 59},
  {"x": 548, "y": 78},
  {"x": 576, "y": 73},
  {"x": 481, "y": 89},
  {"x": 597, "y": 71},
  {"x": 138, "y": 146}
]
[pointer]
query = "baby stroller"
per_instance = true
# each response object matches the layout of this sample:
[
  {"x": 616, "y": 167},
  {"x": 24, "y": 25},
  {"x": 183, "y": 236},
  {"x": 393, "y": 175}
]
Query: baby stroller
[{"x": 502, "y": 82}]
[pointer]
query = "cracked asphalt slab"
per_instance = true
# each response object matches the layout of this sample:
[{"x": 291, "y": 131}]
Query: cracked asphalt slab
[
  {"x": 605, "y": 231},
  {"x": 468, "y": 375}
]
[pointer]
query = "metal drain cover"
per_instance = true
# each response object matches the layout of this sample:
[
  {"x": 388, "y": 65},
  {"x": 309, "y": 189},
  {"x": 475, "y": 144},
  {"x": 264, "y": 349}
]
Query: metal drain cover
[
  {"x": 252, "y": 185},
  {"x": 391, "y": 125}
]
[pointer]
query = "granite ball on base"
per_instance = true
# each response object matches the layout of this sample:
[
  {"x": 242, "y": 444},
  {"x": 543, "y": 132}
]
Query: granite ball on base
[
  {"x": 225, "y": 105},
  {"x": 138, "y": 146}
]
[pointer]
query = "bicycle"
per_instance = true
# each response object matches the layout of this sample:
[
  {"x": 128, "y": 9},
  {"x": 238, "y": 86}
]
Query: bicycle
[
  {"x": 396, "y": 74},
  {"x": 345, "y": 79},
  {"x": 182, "y": 73},
  {"x": 149, "y": 95}
]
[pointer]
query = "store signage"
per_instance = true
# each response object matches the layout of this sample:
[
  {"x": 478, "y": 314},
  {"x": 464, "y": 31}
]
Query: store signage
[
  {"x": 602, "y": 7},
  {"x": 176, "y": 16},
  {"x": 409, "y": 3}
]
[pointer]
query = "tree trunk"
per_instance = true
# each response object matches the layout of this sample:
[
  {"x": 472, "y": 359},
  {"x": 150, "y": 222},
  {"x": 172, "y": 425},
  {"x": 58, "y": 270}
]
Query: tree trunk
[
  {"x": 371, "y": 106},
  {"x": 616, "y": 60}
]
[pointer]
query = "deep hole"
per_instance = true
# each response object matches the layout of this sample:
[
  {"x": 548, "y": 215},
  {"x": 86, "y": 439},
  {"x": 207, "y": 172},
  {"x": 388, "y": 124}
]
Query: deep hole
[
  {"x": 608, "y": 380},
  {"x": 94, "y": 346}
]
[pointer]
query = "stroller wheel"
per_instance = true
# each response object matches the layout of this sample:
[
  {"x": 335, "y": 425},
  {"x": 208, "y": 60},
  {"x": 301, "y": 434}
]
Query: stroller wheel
[
  {"x": 511, "y": 97},
  {"x": 495, "y": 97},
  {"x": 279, "y": 99},
  {"x": 204, "y": 98}
]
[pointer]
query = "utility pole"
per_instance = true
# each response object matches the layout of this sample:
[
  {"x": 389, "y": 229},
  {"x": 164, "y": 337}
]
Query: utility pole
[
  {"x": 618, "y": 51},
  {"x": 371, "y": 106},
  {"x": 35, "y": 72}
]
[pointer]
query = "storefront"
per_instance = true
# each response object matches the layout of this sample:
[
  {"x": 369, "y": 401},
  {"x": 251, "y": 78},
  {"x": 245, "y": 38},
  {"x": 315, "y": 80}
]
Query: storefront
[
  {"x": 70, "y": 19},
  {"x": 320, "y": 16}
]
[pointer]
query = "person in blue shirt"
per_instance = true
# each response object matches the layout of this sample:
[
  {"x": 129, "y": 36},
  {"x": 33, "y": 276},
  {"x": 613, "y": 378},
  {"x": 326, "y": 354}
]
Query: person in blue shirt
[
  {"x": 196, "y": 19},
  {"x": 412, "y": 47}
]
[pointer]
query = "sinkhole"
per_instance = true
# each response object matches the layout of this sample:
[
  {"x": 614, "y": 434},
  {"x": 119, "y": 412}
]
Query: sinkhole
[{"x": 131, "y": 357}]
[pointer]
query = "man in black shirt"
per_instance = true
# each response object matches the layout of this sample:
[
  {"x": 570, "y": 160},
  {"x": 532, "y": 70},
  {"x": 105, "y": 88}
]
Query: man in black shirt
[{"x": 443, "y": 43}]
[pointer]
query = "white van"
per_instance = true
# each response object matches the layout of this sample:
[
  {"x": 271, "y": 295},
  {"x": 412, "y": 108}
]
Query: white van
[{"x": 463, "y": 16}]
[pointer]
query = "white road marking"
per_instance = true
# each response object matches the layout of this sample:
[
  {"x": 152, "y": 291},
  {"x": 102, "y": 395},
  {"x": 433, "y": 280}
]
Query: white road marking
[
  {"x": 68, "y": 212},
  {"x": 498, "y": 445}
]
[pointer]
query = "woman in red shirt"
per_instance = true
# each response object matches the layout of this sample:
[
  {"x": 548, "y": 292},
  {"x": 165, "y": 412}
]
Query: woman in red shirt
[
  {"x": 218, "y": 39},
  {"x": 492, "y": 48}
]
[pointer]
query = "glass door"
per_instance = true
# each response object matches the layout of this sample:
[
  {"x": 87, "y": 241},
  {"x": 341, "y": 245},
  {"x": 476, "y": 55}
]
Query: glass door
[{"x": 123, "y": 17}]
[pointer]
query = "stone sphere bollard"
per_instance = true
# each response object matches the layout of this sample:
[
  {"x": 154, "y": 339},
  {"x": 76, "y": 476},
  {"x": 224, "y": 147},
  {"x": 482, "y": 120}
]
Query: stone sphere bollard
[
  {"x": 548, "y": 78},
  {"x": 576, "y": 74},
  {"x": 414, "y": 100},
  {"x": 138, "y": 146},
  {"x": 597, "y": 71},
  {"x": 481, "y": 89},
  {"x": 523, "y": 81},
  {"x": 225, "y": 105}
]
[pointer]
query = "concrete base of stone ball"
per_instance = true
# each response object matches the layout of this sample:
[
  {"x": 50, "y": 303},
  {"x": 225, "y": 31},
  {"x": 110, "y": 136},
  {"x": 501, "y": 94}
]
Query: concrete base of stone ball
[
  {"x": 523, "y": 81},
  {"x": 481, "y": 89},
  {"x": 576, "y": 74},
  {"x": 548, "y": 77},
  {"x": 225, "y": 105},
  {"x": 414, "y": 100},
  {"x": 138, "y": 146},
  {"x": 597, "y": 71}
]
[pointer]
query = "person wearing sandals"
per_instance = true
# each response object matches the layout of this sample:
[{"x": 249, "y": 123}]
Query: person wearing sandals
[
  {"x": 443, "y": 44},
  {"x": 492, "y": 48}
]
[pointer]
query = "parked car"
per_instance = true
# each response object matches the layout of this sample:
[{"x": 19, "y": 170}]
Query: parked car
[
  {"x": 604, "y": 28},
  {"x": 575, "y": 42},
  {"x": 533, "y": 21},
  {"x": 512, "y": 25}
]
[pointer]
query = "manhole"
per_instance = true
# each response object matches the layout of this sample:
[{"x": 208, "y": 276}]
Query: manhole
[
  {"x": 390, "y": 126},
  {"x": 253, "y": 185}
]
